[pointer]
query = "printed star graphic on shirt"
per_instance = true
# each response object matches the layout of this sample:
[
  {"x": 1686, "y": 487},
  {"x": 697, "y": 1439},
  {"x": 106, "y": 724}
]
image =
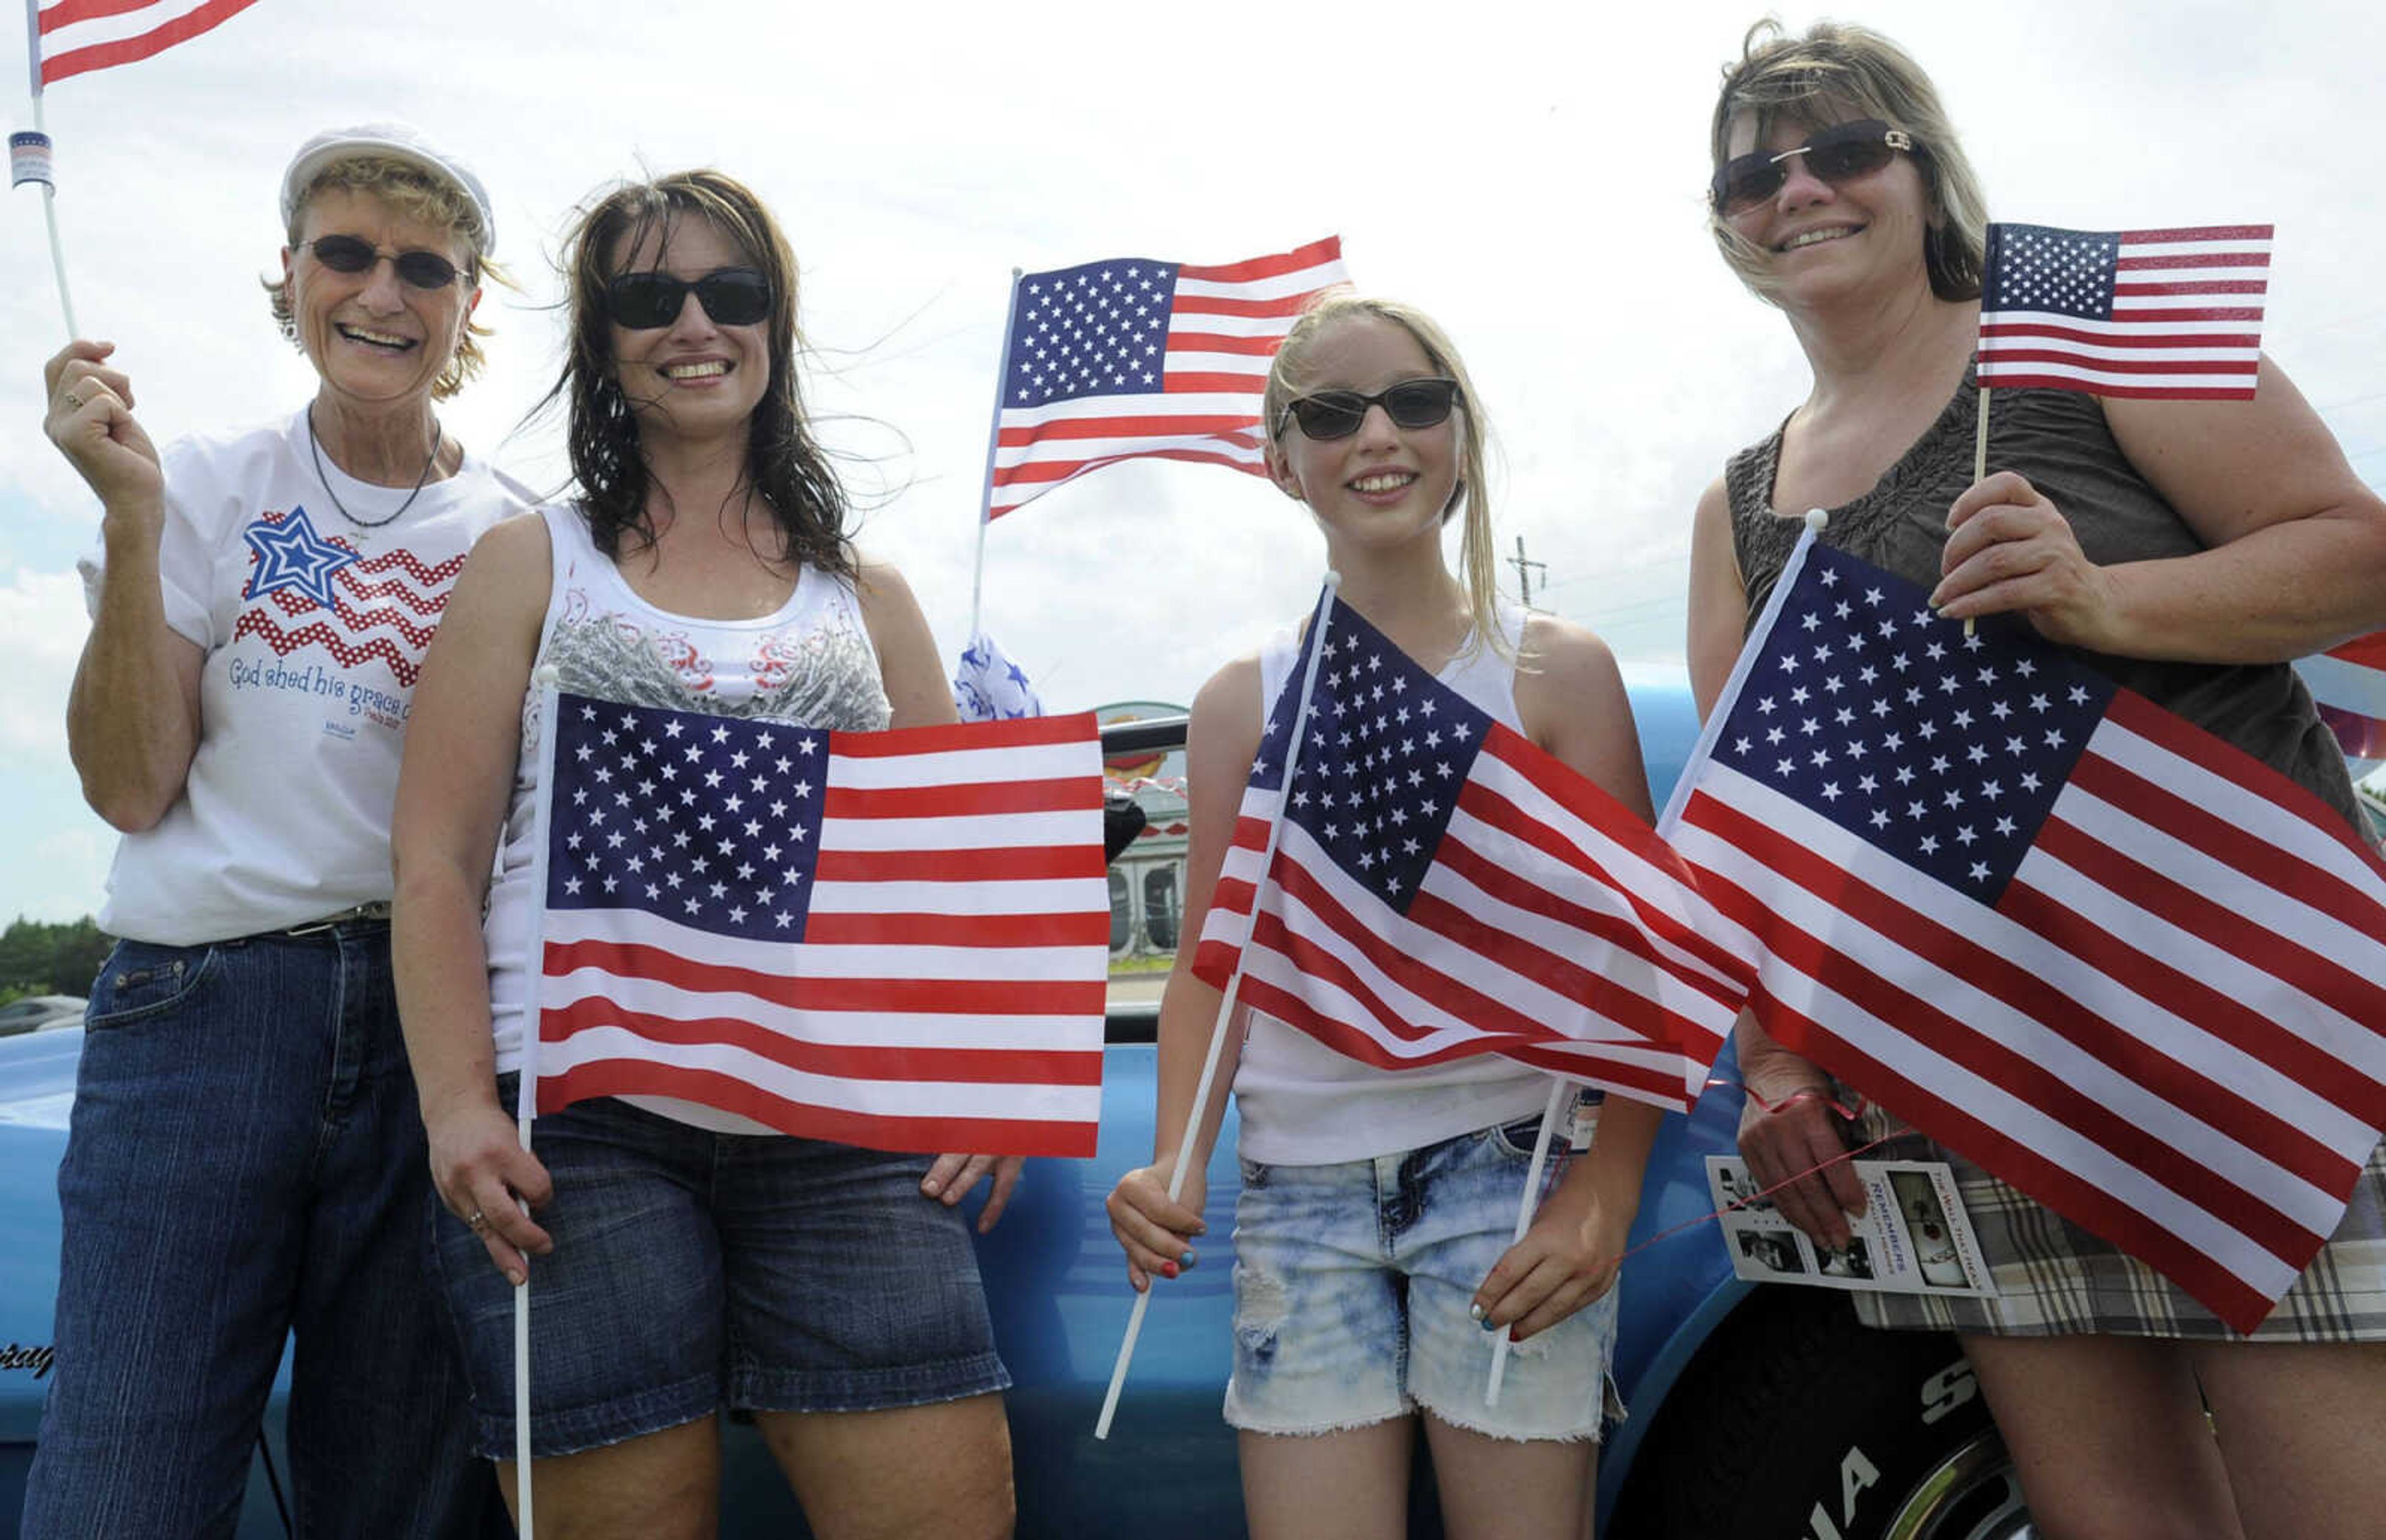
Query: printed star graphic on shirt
[{"x": 291, "y": 555}]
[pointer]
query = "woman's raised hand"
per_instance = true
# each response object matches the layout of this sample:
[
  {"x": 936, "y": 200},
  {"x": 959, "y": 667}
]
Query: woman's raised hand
[{"x": 89, "y": 418}]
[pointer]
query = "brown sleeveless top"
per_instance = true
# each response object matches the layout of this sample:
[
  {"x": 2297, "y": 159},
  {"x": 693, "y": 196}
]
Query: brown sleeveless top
[{"x": 2060, "y": 441}]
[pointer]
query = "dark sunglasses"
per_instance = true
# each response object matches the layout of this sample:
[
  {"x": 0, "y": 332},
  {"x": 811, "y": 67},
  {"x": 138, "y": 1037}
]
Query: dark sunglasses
[
  {"x": 732, "y": 296},
  {"x": 1840, "y": 153},
  {"x": 353, "y": 254},
  {"x": 1338, "y": 414}
]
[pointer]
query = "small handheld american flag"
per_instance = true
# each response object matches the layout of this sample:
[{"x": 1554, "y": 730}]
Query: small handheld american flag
[{"x": 2148, "y": 313}]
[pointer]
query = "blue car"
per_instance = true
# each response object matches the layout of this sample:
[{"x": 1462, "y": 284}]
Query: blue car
[{"x": 1756, "y": 1411}]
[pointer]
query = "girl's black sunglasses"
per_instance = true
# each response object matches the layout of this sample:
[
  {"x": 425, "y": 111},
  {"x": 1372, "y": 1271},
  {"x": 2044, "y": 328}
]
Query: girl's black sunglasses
[
  {"x": 644, "y": 301},
  {"x": 1840, "y": 153},
  {"x": 1338, "y": 414}
]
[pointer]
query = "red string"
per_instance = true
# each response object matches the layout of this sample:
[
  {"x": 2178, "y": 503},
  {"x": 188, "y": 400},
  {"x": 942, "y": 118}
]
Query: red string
[{"x": 1810, "y": 1095}]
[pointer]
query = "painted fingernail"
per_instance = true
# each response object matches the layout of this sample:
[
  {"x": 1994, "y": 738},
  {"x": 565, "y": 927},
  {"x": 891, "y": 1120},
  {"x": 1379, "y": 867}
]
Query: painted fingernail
[
  {"x": 1476, "y": 1311},
  {"x": 1187, "y": 1259},
  {"x": 1168, "y": 1269}
]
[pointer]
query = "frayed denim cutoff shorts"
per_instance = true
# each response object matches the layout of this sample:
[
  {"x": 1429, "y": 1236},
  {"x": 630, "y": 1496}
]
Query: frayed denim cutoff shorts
[{"x": 1352, "y": 1283}]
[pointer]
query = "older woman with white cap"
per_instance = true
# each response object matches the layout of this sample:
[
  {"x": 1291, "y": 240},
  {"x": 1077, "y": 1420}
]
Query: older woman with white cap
[{"x": 247, "y": 1159}]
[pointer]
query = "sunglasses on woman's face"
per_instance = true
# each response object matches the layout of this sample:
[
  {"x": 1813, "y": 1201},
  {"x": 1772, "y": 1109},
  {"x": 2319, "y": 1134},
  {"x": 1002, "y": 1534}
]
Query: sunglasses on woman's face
[
  {"x": 732, "y": 296},
  {"x": 1840, "y": 153},
  {"x": 1338, "y": 414},
  {"x": 353, "y": 254}
]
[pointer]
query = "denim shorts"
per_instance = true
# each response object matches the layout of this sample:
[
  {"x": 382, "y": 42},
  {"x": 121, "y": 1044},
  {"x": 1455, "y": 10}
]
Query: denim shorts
[
  {"x": 694, "y": 1271},
  {"x": 1352, "y": 1283}
]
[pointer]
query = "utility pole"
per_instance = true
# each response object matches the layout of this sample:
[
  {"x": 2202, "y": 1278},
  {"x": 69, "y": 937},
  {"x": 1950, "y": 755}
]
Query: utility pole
[{"x": 1525, "y": 572}]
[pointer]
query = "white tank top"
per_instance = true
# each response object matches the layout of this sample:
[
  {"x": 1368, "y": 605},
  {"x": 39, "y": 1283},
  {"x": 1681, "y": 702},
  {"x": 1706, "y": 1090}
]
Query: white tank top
[
  {"x": 1302, "y": 1104},
  {"x": 810, "y": 661}
]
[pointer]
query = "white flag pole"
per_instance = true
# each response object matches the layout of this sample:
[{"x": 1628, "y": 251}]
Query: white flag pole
[
  {"x": 1559, "y": 1086},
  {"x": 49, "y": 187},
  {"x": 526, "y": 1090},
  {"x": 1234, "y": 988},
  {"x": 993, "y": 443}
]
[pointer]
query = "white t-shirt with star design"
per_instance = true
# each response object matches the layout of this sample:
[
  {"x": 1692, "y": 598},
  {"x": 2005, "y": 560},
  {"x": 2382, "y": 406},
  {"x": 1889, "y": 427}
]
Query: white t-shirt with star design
[{"x": 314, "y": 628}]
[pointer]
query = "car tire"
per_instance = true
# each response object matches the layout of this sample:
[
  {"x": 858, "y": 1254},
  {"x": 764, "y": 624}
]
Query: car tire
[{"x": 1795, "y": 1420}]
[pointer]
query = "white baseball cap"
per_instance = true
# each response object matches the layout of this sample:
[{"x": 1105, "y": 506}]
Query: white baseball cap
[{"x": 398, "y": 140}]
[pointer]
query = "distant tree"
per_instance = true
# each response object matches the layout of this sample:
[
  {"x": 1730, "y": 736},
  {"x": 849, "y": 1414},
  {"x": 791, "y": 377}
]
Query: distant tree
[{"x": 38, "y": 958}]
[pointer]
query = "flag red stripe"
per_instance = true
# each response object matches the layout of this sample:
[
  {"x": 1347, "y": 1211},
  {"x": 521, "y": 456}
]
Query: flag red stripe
[
  {"x": 2004, "y": 358},
  {"x": 2368, "y": 651},
  {"x": 2136, "y": 337},
  {"x": 1202, "y": 383},
  {"x": 923, "y": 1135},
  {"x": 1125, "y": 427},
  {"x": 2184, "y": 1173},
  {"x": 921, "y": 1065},
  {"x": 2198, "y": 286},
  {"x": 2194, "y": 259},
  {"x": 2005, "y": 382},
  {"x": 2163, "y": 315},
  {"x": 66, "y": 13},
  {"x": 2203, "y": 1277},
  {"x": 830, "y": 928},
  {"x": 1021, "y": 863},
  {"x": 104, "y": 56},
  {"x": 2184, "y": 234},
  {"x": 946, "y": 737},
  {"x": 989, "y": 799},
  {"x": 1315, "y": 254},
  {"x": 1206, "y": 342},
  {"x": 956, "y": 996},
  {"x": 1055, "y": 471},
  {"x": 1218, "y": 304}
]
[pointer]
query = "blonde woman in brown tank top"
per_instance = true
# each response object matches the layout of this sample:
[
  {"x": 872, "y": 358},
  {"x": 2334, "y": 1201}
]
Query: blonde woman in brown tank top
[{"x": 2196, "y": 547}]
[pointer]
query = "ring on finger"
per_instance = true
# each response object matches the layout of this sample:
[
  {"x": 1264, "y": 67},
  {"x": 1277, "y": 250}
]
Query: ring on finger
[
  {"x": 476, "y": 1220},
  {"x": 74, "y": 402}
]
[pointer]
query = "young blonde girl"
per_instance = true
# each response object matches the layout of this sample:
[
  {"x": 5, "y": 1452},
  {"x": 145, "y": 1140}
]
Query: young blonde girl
[{"x": 1372, "y": 1242}]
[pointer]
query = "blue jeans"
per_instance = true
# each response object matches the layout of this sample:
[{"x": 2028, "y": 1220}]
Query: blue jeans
[{"x": 245, "y": 1161}]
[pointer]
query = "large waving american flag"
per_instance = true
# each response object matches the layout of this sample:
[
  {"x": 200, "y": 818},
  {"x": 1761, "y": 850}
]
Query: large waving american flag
[
  {"x": 1114, "y": 360},
  {"x": 2113, "y": 960},
  {"x": 76, "y": 36},
  {"x": 898, "y": 940},
  {"x": 1442, "y": 887},
  {"x": 2158, "y": 313}
]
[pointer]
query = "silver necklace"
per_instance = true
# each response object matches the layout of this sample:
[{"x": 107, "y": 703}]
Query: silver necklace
[{"x": 438, "y": 442}]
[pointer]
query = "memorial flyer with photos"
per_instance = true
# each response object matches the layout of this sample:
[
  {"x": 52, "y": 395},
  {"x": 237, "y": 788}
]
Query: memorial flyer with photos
[{"x": 1914, "y": 1237}]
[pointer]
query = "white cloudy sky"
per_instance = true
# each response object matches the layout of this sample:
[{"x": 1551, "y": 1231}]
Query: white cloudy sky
[{"x": 1535, "y": 181}]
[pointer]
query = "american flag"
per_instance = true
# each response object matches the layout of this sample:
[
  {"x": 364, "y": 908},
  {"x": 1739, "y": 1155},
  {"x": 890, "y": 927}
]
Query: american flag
[
  {"x": 2168, "y": 313},
  {"x": 1131, "y": 357},
  {"x": 898, "y": 940},
  {"x": 2349, "y": 683},
  {"x": 77, "y": 36},
  {"x": 1442, "y": 887},
  {"x": 2116, "y": 962}
]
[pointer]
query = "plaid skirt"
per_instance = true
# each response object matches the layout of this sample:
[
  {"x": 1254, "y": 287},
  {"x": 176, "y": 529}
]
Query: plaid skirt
[{"x": 2054, "y": 1279}]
